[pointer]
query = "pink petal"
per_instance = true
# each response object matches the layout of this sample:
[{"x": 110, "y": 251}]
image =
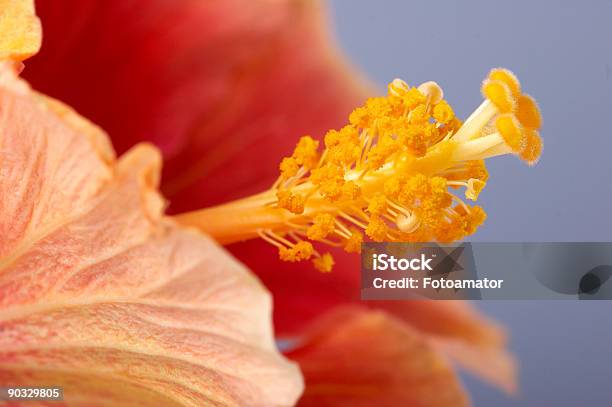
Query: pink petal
[{"x": 102, "y": 294}]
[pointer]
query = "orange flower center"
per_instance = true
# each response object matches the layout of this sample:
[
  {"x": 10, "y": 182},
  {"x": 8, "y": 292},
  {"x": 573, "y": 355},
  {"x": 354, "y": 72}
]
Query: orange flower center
[{"x": 393, "y": 173}]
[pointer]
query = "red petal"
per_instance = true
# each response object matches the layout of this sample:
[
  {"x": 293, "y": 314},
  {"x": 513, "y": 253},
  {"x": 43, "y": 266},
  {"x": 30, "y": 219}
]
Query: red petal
[
  {"x": 225, "y": 88},
  {"x": 368, "y": 358}
]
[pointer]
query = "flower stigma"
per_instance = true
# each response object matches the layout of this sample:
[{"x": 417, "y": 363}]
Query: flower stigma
[{"x": 399, "y": 171}]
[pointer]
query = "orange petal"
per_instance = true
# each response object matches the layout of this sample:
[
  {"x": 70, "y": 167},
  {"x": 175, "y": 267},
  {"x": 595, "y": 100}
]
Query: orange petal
[
  {"x": 355, "y": 357},
  {"x": 102, "y": 294},
  {"x": 20, "y": 33},
  {"x": 493, "y": 365},
  {"x": 470, "y": 339},
  {"x": 450, "y": 319}
]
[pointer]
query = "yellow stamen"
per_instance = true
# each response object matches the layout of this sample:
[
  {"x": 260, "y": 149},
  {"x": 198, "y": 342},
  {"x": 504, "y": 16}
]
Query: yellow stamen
[
  {"x": 508, "y": 78},
  {"x": 398, "y": 87},
  {"x": 324, "y": 263},
  {"x": 432, "y": 91},
  {"x": 377, "y": 229},
  {"x": 533, "y": 147},
  {"x": 300, "y": 251},
  {"x": 323, "y": 225},
  {"x": 289, "y": 167},
  {"x": 287, "y": 200},
  {"x": 353, "y": 242},
  {"x": 474, "y": 187},
  {"x": 407, "y": 223},
  {"x": 378, "y": 204},
  {"x": 511, "y": 132},
  {"x": 443, "y": 113},
  {"x": 387, "y": 174},
  {"x": 499, "y": 94},
  {"x": 306, "y": 152},
  {"x": 501, "y": 90},
  {"x": 528, "y": 113},
  {"x": 350, "y": 191}
]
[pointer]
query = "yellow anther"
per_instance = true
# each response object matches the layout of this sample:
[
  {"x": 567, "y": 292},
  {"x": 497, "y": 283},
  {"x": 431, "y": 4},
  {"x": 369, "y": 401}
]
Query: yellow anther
[
  {"x": 360, "y": 117},
  {"x": 331, "y": 190},
  {"x": 348, "y": 134},
  {"x": 474, "y": 187},
  {"x": 409, "y": 190},
  {"x": 292, "y": 202},
  {"x": 378, "y": 106},
  {"x": 507, "y": 77},
  {"x": 418, "y": 115},
  {"x": 353, "y": 243},
  {"x": 394, "y": 185},
  {"x": 378, "y": 204},
  {"x": 406, "y": 223},
  {"x": 377, "y": 229},
  {"x": 452, "y": 230},
  {"x": 330, "y": 179},
  {"x": 380, "y": 153},
  {"x": 443, "y": 113},
  {"x": 528, "y": 112},
  {"x": 326, "y": 173},
  {"x": 432, "y": 91},
  {"x": 413, "y": 138},
  {"x": 300, "y": 251},
  {"x": 344, "y": 154},
  {"x": 398, "y": 87},
  {"x": 324, "y": 263},
  {"x": 323, "y": 225},
  {"x": 499, "y": 94},
  {"x": 477, "y": 169},
  {"x": 451, "y": 127},
  {"x": 475, "y": 218},
  {"x": 439, "y": 196},
  {"x": 533, "y": 147},
  {"x": 431, "y": 133},
  {"x": 510, "y": 130},
  {"x": 388, "y": 125},
  {"x": 413, "y": 97},
  {"x": 472, "y": 169},
  {"x": 350, "y": 191},
  {"x": 288, "y": 167},
  {"x": 426, "y": 197},
  {"x": 305, "y": 152},
  {"x": 332, "y": 138}
]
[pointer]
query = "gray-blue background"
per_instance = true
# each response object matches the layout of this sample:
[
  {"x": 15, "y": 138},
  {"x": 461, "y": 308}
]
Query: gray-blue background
[{"x": 562, "y": 52}]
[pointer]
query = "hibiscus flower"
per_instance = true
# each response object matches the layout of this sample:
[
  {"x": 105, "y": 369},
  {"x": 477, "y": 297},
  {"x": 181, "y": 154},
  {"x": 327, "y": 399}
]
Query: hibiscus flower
[{"x": 224, "y": 89}]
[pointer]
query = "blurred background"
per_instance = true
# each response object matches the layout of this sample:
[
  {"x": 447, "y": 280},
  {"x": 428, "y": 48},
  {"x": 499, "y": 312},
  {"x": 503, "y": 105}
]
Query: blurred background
[{"x": 562, "y": 53}]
